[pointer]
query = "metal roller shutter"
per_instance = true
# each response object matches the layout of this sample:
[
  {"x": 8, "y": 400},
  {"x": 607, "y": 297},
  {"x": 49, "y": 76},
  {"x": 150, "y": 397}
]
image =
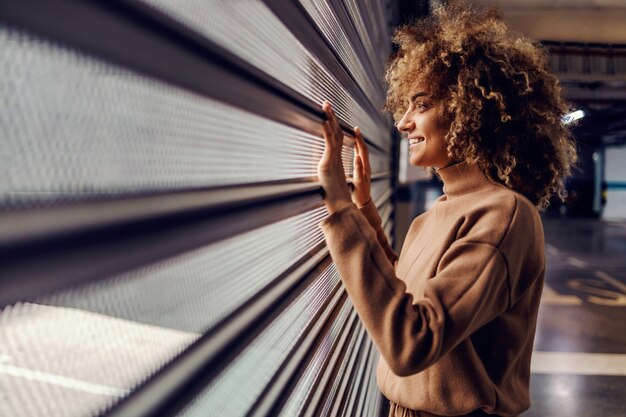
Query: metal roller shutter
[{"x": 160, "y": 253}]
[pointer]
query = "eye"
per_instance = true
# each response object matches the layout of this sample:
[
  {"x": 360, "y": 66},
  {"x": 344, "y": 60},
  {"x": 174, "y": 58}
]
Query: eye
[{"x": 420, "y": 105}]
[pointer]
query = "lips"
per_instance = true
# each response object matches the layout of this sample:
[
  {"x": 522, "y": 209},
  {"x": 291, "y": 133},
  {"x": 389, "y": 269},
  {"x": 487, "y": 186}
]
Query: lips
[{"x": 416, "y": 140}]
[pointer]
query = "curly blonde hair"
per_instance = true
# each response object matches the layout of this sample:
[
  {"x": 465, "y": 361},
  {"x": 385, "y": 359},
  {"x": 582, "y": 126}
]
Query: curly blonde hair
[{"x": 503, "y": 105}]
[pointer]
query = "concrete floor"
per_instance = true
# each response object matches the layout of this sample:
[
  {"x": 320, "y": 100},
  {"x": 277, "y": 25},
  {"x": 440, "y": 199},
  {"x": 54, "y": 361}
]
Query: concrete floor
[{"x": 579, "y": 365}]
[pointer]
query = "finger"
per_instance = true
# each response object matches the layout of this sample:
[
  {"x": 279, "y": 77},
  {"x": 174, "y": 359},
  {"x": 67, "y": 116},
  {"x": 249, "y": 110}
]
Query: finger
[
  {"x": 358, "y": 140},
  {"x": 358, "y": 170},
  {"x": 330, "y": 113},
  {"x": 356, "y": 151},
  {"x": 325, "y": 106},
  {"x": 334, "y": 143},
  {"x": 332, "y": 119},
  {"x": 361, "y": 143},
  {"x": 356, "y": 148},
  {"x": 363, "y": 151},
  {"x": 329, "y": 137},
  {"x": 328, "y": 110}
]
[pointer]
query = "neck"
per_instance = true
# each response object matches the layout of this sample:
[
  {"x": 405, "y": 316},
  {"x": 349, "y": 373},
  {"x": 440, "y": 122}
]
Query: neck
[{"x": 462, "y": 178}]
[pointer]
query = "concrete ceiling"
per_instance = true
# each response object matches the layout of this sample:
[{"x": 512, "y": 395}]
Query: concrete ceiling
[
  {"x": 586, "y": 21},
  {"x": 576, "y": 31}
]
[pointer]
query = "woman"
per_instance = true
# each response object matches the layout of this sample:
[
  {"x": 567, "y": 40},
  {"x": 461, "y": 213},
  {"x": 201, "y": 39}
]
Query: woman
[{"x": 454, "y": 316}]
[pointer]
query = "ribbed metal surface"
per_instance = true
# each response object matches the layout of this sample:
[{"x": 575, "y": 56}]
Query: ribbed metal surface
[
  {"x": 127, "y": 315},
  {"x": 250, "y": 30},
  {"x": 296, "y": 403},
  {"x": 77, "y": 128},
  {"x": 245, "y": 379},
  {"x": 367, "y": 17},
  {"x": 331, "y": 405},
  {"x": 160, "y": 251},
  {"x": 62, "y": 362},
  {"x": 326, "y": 19},
  {"x": 195, "y": 291}
]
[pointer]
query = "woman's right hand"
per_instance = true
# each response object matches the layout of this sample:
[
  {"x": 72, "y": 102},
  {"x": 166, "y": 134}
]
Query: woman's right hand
[{"x": 362, "y": 176}]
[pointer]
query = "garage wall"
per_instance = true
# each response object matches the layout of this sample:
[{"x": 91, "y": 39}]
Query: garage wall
[
  {"x": 615, "y": 181},
  {"x": 160, "y": 252}
]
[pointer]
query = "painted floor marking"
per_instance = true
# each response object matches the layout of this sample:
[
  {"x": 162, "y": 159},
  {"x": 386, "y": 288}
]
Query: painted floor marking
[
  {"x": 551, "y": 297},
  {"x": 576, "y": 262},
  {"x": 552, "y": 250},
  {"x": 60, "y": 380},
  {"x": 617, "y": 223},
  {"x": 607, "y": 278},
  {"x": 578, "y": 363}
]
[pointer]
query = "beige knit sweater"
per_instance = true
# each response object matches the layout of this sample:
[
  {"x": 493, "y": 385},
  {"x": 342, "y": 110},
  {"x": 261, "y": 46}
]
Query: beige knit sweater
[{"x": 454, "y": 318}]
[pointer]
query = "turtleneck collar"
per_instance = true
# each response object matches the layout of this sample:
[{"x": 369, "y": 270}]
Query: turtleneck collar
[{"x": 462, "y": 178}]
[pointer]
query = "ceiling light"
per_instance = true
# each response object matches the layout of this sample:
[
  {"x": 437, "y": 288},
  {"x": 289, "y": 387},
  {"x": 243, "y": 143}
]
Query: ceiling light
[{"x": 569, "y": 118}]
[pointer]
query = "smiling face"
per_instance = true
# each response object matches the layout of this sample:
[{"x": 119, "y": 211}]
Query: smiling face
[{"x": 426, "y": 129}]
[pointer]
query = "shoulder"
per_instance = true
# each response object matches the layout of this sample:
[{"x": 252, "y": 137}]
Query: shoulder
[{"x": 492, "y": 215}]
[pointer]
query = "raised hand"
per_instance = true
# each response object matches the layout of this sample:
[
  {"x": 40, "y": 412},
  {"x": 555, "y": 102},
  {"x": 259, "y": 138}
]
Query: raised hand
[
  {"x": 330, "y": 168},
  {"x": 362, "y": 177}
]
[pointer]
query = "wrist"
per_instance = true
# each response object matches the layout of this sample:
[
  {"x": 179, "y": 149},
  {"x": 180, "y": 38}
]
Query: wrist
[
  {"x": 337, "y": 205},
  {"x": 361, "y": 205}
]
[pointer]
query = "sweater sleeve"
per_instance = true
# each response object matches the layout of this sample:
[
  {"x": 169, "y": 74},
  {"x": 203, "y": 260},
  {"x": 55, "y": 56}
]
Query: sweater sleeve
[
  {"x": 469, "y": 288},
  {"x": 371, "y": 214}
]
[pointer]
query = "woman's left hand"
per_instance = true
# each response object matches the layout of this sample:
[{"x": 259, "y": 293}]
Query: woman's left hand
[{"x": 330, "y": 168}]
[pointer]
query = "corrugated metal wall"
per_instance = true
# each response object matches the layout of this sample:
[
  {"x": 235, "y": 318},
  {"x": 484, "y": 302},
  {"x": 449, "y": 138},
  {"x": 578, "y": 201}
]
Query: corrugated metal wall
[{"x": 159, "y": 245}]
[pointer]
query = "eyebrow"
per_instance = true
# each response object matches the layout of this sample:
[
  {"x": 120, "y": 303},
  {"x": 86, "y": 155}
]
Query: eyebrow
[{"x": 416, "y": 95}]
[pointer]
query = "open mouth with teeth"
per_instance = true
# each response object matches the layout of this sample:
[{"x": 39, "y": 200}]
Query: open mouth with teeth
[{"x": 415, "y": 141}]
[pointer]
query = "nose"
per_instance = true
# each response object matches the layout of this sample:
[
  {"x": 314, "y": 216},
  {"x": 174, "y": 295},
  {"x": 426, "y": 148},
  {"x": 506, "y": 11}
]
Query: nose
[{"x": 406, "y": 124}]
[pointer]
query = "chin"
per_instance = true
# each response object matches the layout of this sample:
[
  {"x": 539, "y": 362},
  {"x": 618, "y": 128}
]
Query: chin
[{"x": 416, "y": 162}]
